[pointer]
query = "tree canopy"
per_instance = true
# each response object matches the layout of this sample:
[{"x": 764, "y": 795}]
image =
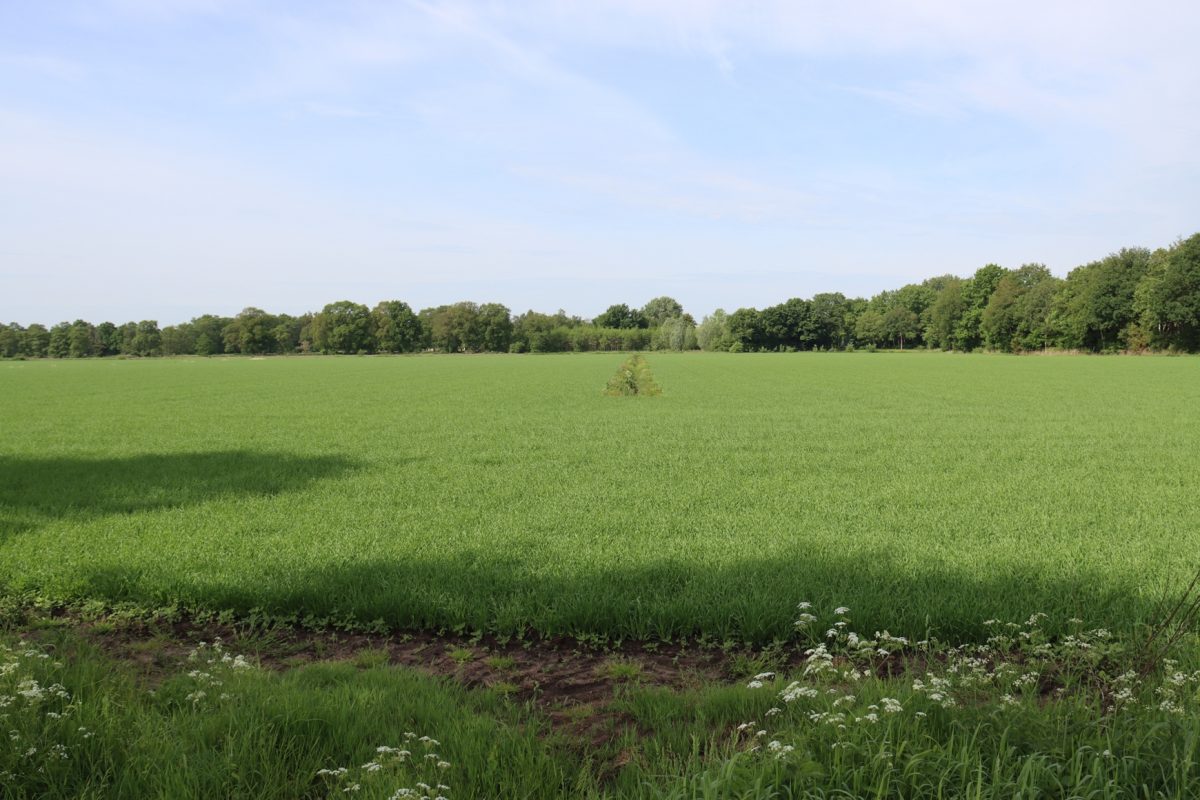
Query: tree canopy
[{"x": 1133, "y": 299}]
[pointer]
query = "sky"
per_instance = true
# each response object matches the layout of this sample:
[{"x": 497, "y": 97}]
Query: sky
[{"x": 161, "y": 159}]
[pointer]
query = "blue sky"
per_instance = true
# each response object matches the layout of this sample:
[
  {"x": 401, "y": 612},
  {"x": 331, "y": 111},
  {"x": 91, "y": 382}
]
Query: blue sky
[{"x": 165, "y": 158}]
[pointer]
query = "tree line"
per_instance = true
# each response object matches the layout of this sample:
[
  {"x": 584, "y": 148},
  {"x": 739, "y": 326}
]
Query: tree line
[{"x": 1132, "y": 300}]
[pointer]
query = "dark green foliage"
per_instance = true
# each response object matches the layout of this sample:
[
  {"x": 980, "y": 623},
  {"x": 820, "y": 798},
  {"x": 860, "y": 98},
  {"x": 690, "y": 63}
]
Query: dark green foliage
[
  {"x": 249, "y": 332},
  {"x": 60, "y": 340},
  {"x": 11, "y": 340},
  {"x": 36, "y": 341},
  {"x": 1130, "y": 300},
  {"x": 870, "y": 327},
  {"x": 147, "y": 339},
  {"x": 495, "y": 328},
  {"x": 82, "y": 340},
  {"x": 944, "y": 314},
  {"x": 1097, "y": 303},
  {"x": 289, "y": 333},
  {"x": 109, "y": 336},
  {"x": 787, "y": 326},
  {"x": 343, "y": 327},
  {"x": 469, "y": 328},
  {"x": 209, "y": 337},
  {"x": 899, "y": 325},
  {"x": 1018, "y": 315},
  {"x": 397, "y": 328},
  {"x": 1168, "y": 298},
  {"x": 827, "y": 313},
  {"x": 455, "y": 328},
  {"x": 976, "y": 292},
  {"x": 621, "y": 316},
  {"x": 746, "y": 332},
  {"x": 178, "y": 340}
]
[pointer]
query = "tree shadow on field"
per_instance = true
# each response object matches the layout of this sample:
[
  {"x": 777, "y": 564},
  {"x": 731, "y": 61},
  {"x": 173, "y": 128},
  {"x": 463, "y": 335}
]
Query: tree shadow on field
[
  {"x": 34, "y": 491},
  {"x": 748, "y": 599}
]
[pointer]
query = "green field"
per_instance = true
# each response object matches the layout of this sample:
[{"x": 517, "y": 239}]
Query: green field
[{"x": 505, "y": 493}]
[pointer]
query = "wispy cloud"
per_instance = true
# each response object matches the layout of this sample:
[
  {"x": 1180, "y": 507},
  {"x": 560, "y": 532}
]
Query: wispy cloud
[{"x": 439, "y": 144}]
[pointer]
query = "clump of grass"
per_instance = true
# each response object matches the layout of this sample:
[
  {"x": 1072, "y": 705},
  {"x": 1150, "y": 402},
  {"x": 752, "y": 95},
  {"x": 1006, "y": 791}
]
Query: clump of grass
[
  {"x": 371, "y": 657},
  {"x": 505, "y": 688},
  {"x": 619, "y": 669},
  {"x": 460, "y": 655},
  {"x": 632, "y": 378},
  {"x": 501, "y": 663}
]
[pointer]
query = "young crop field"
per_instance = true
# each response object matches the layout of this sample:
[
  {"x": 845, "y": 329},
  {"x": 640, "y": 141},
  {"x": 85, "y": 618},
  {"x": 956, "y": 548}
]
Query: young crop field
[
  {"x": 503, "y": 494},
  {"x": 680, "y": 577}
]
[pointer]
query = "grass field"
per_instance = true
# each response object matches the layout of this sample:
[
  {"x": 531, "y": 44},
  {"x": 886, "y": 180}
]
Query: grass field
[
  {"x": 501, "y": 493},
  {"x": 938, "y": 496}
]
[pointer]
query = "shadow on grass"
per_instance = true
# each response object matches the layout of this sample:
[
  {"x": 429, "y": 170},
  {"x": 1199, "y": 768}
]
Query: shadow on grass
[
  {"x": 36, "y": 490},
  {"x": 750, "y": 600}
]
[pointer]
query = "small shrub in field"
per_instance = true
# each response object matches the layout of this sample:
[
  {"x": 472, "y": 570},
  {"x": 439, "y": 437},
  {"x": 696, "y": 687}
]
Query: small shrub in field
[{"x": 632, "y": 378}]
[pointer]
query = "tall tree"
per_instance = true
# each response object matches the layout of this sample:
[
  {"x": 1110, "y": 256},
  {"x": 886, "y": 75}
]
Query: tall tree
[
  {"x": 36, "y": 341},
  {"x": 1167, "y": 299},
  {"x": 676, "y": 333},
  {"x": 1097, "y": 301},
  {"x": 968, "y": 333},
  {"x": 287, "y": 332},
  {"x": 1017, "y": 314},
  {"x": 827, "y": 316},
  {"x": 787, "y": 326},
  {"x": 455, "y": 328},
  {"x": 343, "y": 327},
  {"x": 900, "y": 325},
  {"x": 147, "y": 339},
  {"x": 178, "y": 340},
  {"x": 495, "y": 328},
  {"x": 60, "y": 340},
  {"x": 945, "y": 314},
  {"x": 11, "y": 340},
  {"x": 109, "y": 337},
  {"x": 658, "y": 311},
  {"x": 209, "y": 330},
  {"x": 871, "y": 327},
  {"x": 621, "y": 316},
  {"x": 82, "y": 339},
  {"x": 713, "y": 332},
  {"x": 397, "y": 328},
  {"x": 746, "y": 330},
  {"x": 251, "y": 331}
]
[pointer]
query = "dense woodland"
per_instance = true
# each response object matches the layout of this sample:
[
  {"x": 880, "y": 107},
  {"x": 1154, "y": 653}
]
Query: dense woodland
[{"x": 1133, "y": 300}]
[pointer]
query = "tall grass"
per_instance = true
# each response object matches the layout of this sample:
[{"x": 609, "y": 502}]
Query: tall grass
[
  {"x": 1022, "y": 715},
  {"x": 79, "y": 726}
]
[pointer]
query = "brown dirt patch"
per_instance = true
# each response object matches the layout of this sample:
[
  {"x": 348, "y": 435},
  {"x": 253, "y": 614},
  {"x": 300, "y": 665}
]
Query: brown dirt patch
[{"x": 572, "y": 682}]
